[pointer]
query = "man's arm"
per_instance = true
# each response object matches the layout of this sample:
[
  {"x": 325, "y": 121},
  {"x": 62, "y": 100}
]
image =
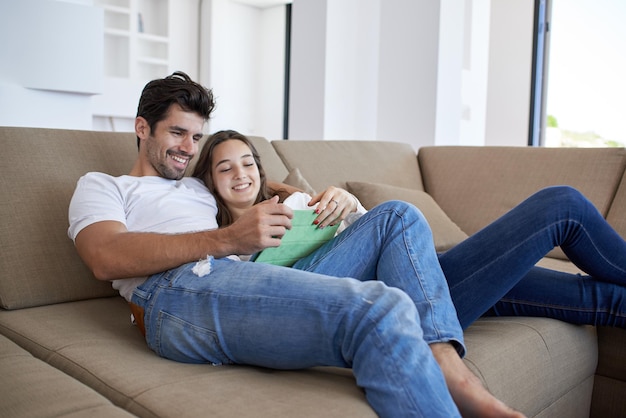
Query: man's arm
[
  {"x": 112, "y": 252},
  {"x": 277, "y": 186}
]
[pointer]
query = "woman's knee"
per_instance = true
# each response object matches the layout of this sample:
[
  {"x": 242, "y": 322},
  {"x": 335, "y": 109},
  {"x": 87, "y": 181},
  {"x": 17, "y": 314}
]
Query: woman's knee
[{"x": 562, "y": 196}]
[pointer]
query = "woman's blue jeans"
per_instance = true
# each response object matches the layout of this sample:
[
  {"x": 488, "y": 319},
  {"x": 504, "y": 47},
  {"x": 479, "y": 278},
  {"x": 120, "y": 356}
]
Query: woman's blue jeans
[
  {"x": 287, "y": 318},
  {"x": 494, "y": 268}
]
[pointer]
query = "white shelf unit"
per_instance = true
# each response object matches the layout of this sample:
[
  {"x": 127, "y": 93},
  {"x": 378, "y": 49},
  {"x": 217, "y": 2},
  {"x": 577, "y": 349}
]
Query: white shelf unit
[
  {"x": 143, "y": 40},
  {"x": 136, "y": 38}
]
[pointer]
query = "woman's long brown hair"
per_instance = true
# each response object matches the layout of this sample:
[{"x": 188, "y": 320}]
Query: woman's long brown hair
[{"x": 204, "y": 171}]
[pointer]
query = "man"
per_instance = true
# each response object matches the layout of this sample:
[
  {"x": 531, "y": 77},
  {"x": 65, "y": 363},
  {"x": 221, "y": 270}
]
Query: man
[{"x": 146, "y": 232}]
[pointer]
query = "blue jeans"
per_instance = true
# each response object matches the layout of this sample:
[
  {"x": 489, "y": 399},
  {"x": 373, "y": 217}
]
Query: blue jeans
[
  {"x": 493, "y": 270},
  {"x": 288, "y": 318},
  {"x": 382, "y": 323}
]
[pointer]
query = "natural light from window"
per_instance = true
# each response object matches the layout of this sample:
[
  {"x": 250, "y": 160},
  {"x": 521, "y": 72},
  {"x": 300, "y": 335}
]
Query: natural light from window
[{"x": 586, "y": 85}]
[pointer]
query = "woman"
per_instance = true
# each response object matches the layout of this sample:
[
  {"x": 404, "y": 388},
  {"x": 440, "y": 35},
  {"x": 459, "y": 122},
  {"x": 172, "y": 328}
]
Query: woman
[
  {"x": 234, "y": 200},
  {"x": 491, "y": 272}
]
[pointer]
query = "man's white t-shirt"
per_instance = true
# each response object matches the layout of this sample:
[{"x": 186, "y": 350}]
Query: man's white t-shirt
[{"x": 142, "y": 204}]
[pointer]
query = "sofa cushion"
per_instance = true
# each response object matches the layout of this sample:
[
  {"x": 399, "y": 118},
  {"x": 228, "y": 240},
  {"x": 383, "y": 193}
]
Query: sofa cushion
[
  {"x": 532, "y": 364},
  {"x": 527, "y": 362},
  {"x": 38, "y": 262},
  {"x": 476, "y": 185},
  {"x": 31, "y": 388},
  {"x": 616, "y": 215},
  {"x": 446, "y": 233},
  {"x": 45, "y": 268},
  {"x": 609, "y": 390},
  {"x": 333, "y": 163},
  {"x": 296, "y": 179},
  {"x": 95, "y": 342},
  {"x": 274, "y": 168}
]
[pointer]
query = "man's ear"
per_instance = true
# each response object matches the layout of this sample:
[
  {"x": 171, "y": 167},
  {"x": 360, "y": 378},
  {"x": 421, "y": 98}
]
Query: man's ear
[{"x": 142, "y": 128}]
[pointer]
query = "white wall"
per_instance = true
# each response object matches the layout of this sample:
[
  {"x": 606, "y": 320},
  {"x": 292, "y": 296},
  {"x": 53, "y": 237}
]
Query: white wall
[
  {"x": 334, "y": 54},
  {"x": 364, "y": 69},
  {"x": 475, "y": 73},
  {"x": 242, "y": 60},
  {"x": 409, "y": 42},
  {"x": 452, "y": 72},
  {"x": 419, "y": 71},
  {"x": 307, "y": 101},
  {"x": 270, "y": 76},
  {"x": 510, "y": 62},
  {"x": 41, "y": 83},
  {"x": 449, "y": 101}
]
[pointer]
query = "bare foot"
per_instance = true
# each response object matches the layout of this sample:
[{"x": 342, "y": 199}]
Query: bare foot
[{"x": 468, "y": 392}]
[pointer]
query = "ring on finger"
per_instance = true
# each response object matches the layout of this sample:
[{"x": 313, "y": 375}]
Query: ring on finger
[{"x": 336, "y": 203}]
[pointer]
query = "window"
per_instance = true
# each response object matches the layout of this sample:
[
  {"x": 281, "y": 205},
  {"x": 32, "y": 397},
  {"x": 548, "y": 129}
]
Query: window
[{"x": 579, "y": 82}]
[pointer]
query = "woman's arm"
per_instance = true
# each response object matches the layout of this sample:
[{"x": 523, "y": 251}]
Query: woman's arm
[{"x": 282, "y": 186}]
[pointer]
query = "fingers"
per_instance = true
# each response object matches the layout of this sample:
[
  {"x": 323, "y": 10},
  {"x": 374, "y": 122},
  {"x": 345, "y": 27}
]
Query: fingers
[
  {"x": 272, "y": 207},
  {"x": 262, "y": 226},
  {"x": 333, "y": 205}
]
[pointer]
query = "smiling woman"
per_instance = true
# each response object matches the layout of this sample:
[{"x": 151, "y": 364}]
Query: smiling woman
[
  {"x": 236, "y": 175},
  {"x": 248, "y": 184}
]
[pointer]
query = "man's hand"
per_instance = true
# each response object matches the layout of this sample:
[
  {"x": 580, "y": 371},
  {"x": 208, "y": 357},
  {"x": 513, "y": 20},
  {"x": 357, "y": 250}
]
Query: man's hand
[{"x": 261, "y": 226}]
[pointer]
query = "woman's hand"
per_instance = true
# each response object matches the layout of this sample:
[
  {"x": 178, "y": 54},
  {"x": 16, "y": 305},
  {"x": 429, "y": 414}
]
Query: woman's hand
[{"x": 333, "y": 205}]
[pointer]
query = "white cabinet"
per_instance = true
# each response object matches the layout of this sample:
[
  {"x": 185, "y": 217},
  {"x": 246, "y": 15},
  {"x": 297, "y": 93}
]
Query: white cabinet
[
  {"x": 143, "y": 40},
  {"x": 136, "y": 38}
]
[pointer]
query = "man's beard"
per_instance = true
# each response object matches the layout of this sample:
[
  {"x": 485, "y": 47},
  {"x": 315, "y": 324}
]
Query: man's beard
[
  {"x": 168, "y": 172},
  {"x": 160, "y": 164}
]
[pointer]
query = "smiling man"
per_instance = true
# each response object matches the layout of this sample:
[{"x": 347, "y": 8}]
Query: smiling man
[
  {"x": 146, "y": 231},
  {"x": 168, "y": 146}
]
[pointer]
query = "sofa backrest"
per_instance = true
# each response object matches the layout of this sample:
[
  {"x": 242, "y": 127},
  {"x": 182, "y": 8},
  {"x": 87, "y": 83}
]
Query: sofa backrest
[
  {"x": 475, "y": 185},
  {"x": 333, "y": 163},
  {"x": 275, "y": 169},
  {"x": 38, "y": 262}
]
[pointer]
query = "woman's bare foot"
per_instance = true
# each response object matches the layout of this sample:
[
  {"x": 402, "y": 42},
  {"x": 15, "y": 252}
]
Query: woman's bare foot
[{"x": 469, "y": 394}]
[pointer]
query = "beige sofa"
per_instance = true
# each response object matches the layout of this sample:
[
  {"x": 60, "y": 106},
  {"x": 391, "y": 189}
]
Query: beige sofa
[{"x": 67, "y": 347}]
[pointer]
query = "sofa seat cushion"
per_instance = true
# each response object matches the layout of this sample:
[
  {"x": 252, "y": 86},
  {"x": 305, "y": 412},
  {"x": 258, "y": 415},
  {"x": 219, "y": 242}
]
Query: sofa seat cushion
[
  {"x": 31, "y": 388},
  {"x": 95, "y": 342},
  {"x": 527, "y": 362},
  {"x": 534, "y": 363}
]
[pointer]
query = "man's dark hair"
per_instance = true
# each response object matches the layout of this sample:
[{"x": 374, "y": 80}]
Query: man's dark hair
[{"x": 158, "y": 95}]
